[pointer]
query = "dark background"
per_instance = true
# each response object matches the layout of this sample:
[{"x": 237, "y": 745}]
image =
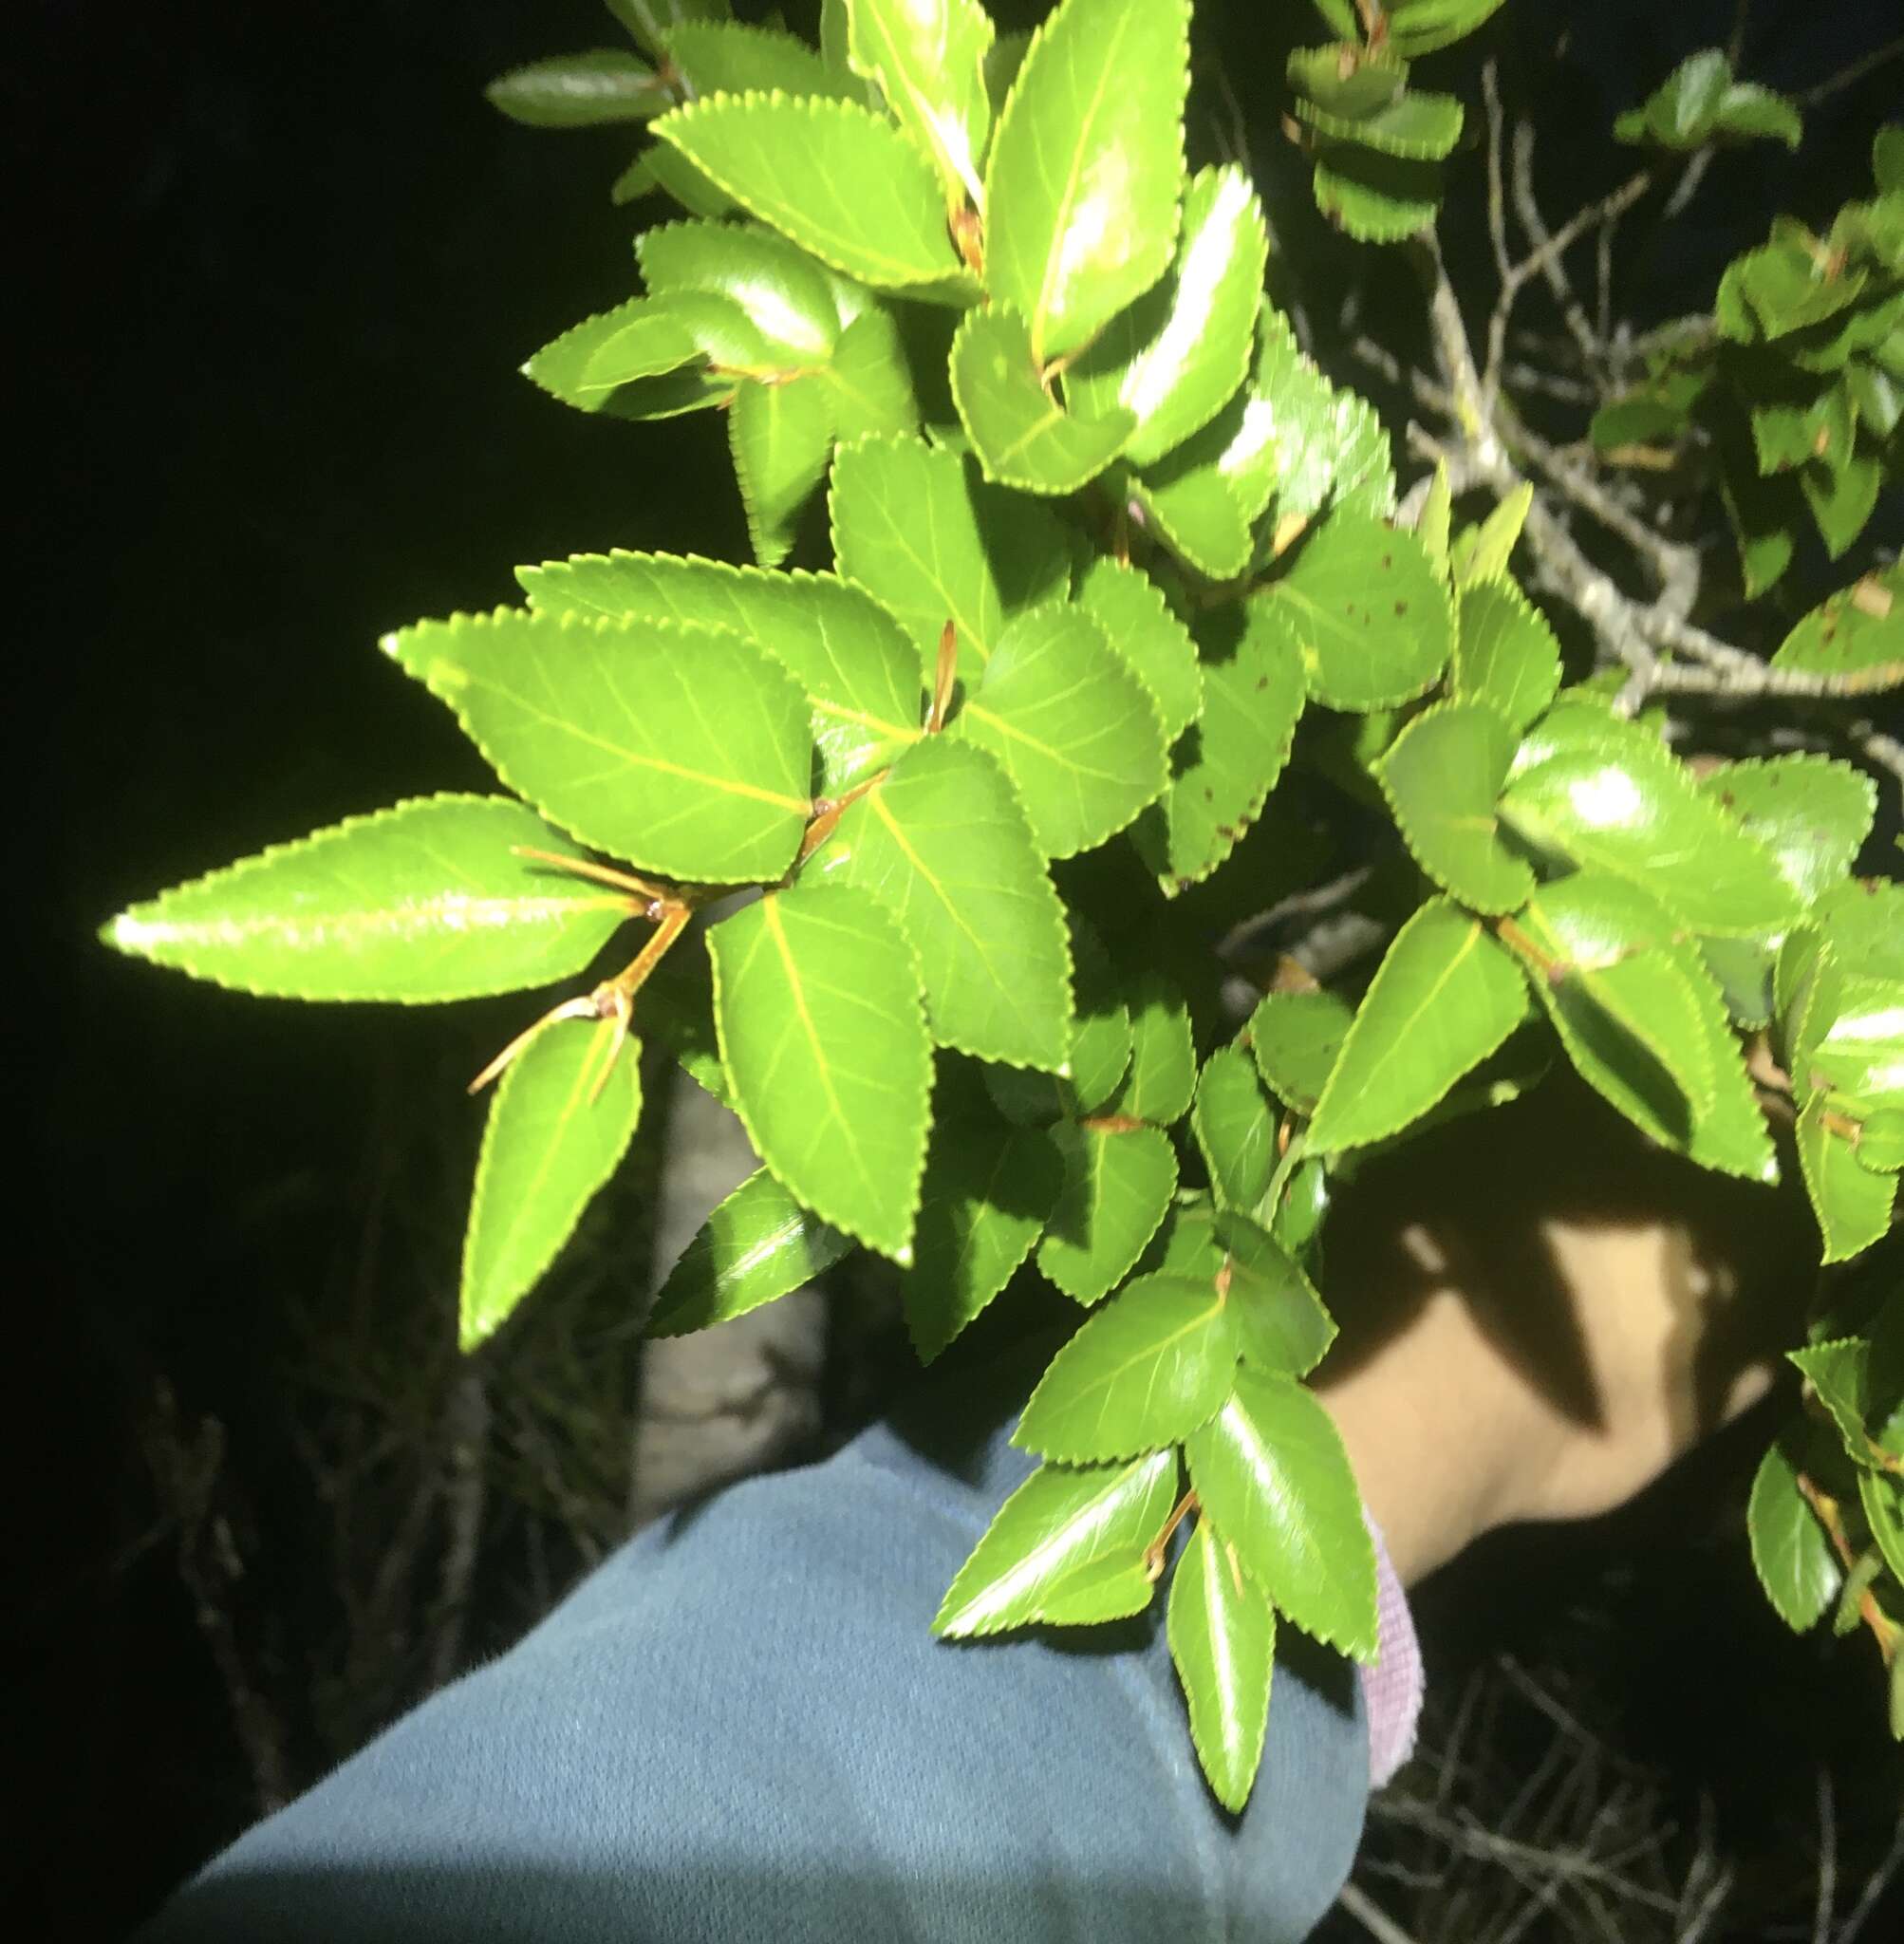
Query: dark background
[{"x": 273, "y": 273}]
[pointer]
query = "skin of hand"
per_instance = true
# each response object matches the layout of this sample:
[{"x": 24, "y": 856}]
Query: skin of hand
[{"x": 1540, "y": 1311}]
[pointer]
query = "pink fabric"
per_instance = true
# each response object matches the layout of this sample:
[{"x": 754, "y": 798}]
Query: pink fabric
[{"x": 1393, "y": 1683}]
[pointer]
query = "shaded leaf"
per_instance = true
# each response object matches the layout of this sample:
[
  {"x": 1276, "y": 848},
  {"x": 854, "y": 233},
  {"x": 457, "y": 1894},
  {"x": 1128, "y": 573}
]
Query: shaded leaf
[
  {"x": 1269, "y": 1468},
  {"x": 730, "y": 58},
  {"x": 1856, "y": 632},
  {"x": 1297, "y": 1037},
  {"x": 1368, "y": 615},
  {"x": 1375, "y": 199},
  {"x": 1193, "y": 505},
  {"x": 1235, "y": 1128},
  {"x": 781, "y": 436},
  {"x": 780, "y": 290},
  {"x": 1307, "y": 443},
  {"x": 1067, "y": 1547},
  {"x": 988, "y": 1191},
  {"x": 914, "y": 526},
  {"x": 942, "y": 841},
  {"x": 1222, "y": 1639},
  {"x": 684, "y": 750},
  {"x": 759, "y": 1246},
  {"x": 1073, "y": 727},
  {"x": 1445, "y": 996},
  {"x": 1087, "y": 167},
  {"x": 1022, "y": 434},
  {"x": 838, "y": 180},
  {"x": 1442, "y": 776},
  {"x": 1117, "y": 1184},
  {"x": 1221, "y": 775},
  {"x": 580, "y": 90},
  {"x": 1163, "y": 1074},
  {"x": 1419, "y": 125},
  {"x": 1138, "y": 624},
  {"x": 1791, "y": 1553},
  {"x": 423, "y": 902},
  {"x": 823, "y": 1036},
  {"x": 550, "y": 1143}
]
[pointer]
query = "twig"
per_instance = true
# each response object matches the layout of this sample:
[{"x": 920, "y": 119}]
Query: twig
[
  {"x": 1875, "y": 1887},
  {"x": 1371, "y": 1917},
  {"x": 1756, "y": 678},
  {"x": 1827, "y": 1858},
  {"x": 1848, "y": 76},
  {"x": 1496, "y": 201},
  {"x": 1548, "y": 261}
]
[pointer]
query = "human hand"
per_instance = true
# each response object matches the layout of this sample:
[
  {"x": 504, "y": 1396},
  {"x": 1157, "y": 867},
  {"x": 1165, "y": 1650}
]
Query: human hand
[{"x": 1539, "y": 1312}]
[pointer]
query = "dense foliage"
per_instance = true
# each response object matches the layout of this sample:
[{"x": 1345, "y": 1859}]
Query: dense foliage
[{"x": 1124, "y": 642}]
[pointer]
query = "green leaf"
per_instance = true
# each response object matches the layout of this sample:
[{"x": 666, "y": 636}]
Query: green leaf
[
  {"x": 988, "y": 1191},
  {"x": 1235, "y": 1127},
  {"x": 550, "y": 1142},
  {"x": 1882, "y": 1497},
  {"x": 1222, "y": 1639},
  {"x": 942, "y": 841},
  {"x": 1368, "y": 614},
  {"x": 1175, "y": 359},
  {"x": 677, "y": 1009},
  {"x": 423, "y": 902},
  {"x": 650, "y": 21},
  {"x": 1309, "y": 443},
  {"x": 1087, "y": 167},
  {"x": 1442, "y": 776},
  {"x": 914, "y": 526},
  {"x": 1880, "y": 1141},
  {"x": 1375, "y": 199},
  {"x": 1791, "y": 1552},
  {"x": 856, "y": 663},
  {"x": 1117, "y": 1184},
  {"x": 1424, "y": 26},
  {"x": 1857, "y": 631},
  {"x": 1863, "y": 922},
  {"x": 603, "y": 362},
  {"x": 1842, "y": 498},
  {"x": 724, "y": 57},
  {"x": 1742, "y": 966},
  {"x": 1346, "y": 78},
  {"x": 1163, "y": 1074},
  {"x": 1813, "y": 814},
  {"x": 580, "y": 90},
  {"x": 1253, "y": 695},
  {"x": 1445, "y": 996},
  {"x": 823, "y": 1036},
  {"x": 1073, "y": 727},
  {"x": 1282, "y": 1324},
  {"x": 759, "y": 1246},
  {"x": 1194, "y": 506},
  {"x": 1419, "y": 127},
  {"x": 1699, "y": 101},
  {"x": 1838, "y": 1372},
  {"x": 1269, "y": 1468},
  {"x": 1853, "y": 1206},
  {"x": 781, "y": 436},
  {"x": 780, "y": 290},
  {"x": 679, "y": 178},
  {"x": 684, "y": 750},
  {"x": 1023, "y": 436},
  {"x": 1504, "y": 653},
  {"x": 1100, "y": 1034},
  {"x": 834, "y": 176},
  {"x": 1144, "y": 1370},
  {"x": 1431, "y": 530},
  {"x": 1067, "y": 1548},
  {"x": 1138, "y": 624},
  {"x": 1607, "y": 794},
  {"x": 928, "y": 57},
  {"x": 870, "y": 379},
  {"x": 1297, "y": 1037},
  {"x": 1482, "y": 553}
]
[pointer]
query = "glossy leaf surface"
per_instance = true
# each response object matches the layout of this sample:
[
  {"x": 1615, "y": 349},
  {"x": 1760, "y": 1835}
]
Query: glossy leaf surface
[
  {"x": 580, "y": 90},
  {"x": 1442, "y": 776},
  {"x": 1087, "y": 167},
  {"x": 1853, "y": 1206},
  {"x": 781, "y": 436},
  {"x": 1298, "y": 1038},
  {"x": 1812, "y": 813},
  {"x": 1221, "y": 1636},
  {"x": 1067, "y": 1547},
  {"x": 1271, "y": 1471},
  {"x": 928, "y": 57},
  {"x": 1117, "y": 1184},
  {"x": 1023, "y": 435},
  {"x": 1144, "y": 1370},
  {"x": 1790, "y": 1552},
  {"x": 1235, "y": 1128},
  {"x": 423, "y": 902}
]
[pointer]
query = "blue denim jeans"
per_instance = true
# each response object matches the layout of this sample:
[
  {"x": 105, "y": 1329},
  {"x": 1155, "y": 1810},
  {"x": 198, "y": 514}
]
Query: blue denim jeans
[{"x": 739, "y": 1727}]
